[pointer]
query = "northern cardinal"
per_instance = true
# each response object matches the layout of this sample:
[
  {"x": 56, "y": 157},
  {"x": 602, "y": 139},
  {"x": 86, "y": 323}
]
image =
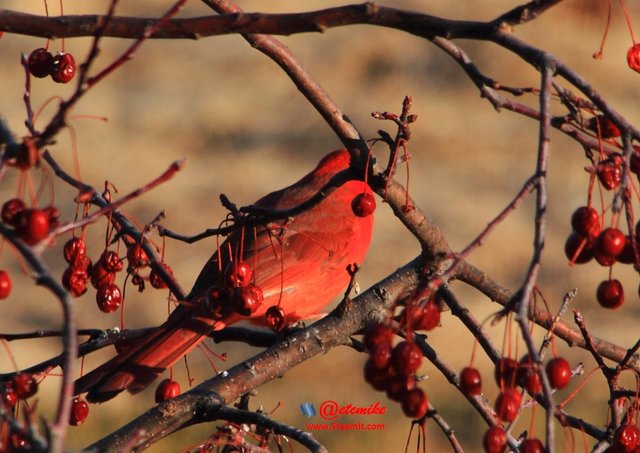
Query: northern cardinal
[{"x": 299, "y": 264}]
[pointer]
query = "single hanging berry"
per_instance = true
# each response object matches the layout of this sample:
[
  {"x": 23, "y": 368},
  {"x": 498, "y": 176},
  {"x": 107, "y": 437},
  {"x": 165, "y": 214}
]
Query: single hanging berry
[
  {"x": 33, "y": 226},
  {"x": 79, "y": 411},
  {"x": 579, "y": 249},
  {"x": 559, "y": 373},
  {"x": 611, "y": 242},
  {"x": 63, "y": 68},
  {"x": 626, "y": 438},
  {"x": 607, "y": 127},
  {"x": 75, "y": 281},
  {"x": 426, "y": 317},
  {"x": 5, "y": 284},
  {"x": 495, "y": 440},
  {"x": 12, "y": 211},
  {"x": 109, "y": 297},
  {"x": 406, "y": 358},
  {"x": 531, "y": 445},
  {"x": 156, "y": 281},
  {"x": 275, "y": 318},
  {"x": 74, "y": 248},
  {"x": 508, "y": 404},
  {"x": 586, "y": 221},
  {"x": 633, "y": 57},
  {"x": 363, "y": 205},
  {"x": 415, "y": 403},
  {"x": 238, "y": 273},
  {"x": 471, "y": 381},
  {"x": 610, "y": 294},
  {"x": 40, "y": 63},
  {"x": 609, "y": 172},
  {"x": 247, "y": 299},
  {"x": 167, "y": 390}
]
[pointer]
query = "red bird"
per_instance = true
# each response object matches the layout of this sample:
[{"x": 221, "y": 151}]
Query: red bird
[{"x": 298, "y": 264}]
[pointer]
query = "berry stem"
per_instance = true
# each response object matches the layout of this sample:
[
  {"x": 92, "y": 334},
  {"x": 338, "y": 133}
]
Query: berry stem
[
  {"x": 600, "y": 52},
  {"x": 628, "y": 19}
]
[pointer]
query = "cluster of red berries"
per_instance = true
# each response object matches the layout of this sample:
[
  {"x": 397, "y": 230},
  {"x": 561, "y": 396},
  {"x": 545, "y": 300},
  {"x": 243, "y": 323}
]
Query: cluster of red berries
[
  {"x": 237, "y": 291},
  {"x": 589, "y": 238},
  {"x": 166, "y": 390},
  {"x": 61, "y": 67},
  {"x": 508, "y": 374},
  {"x": 392, "y": 369},
  {"x": 31, "y": 224},
  {"x": 102, "y": 274}
]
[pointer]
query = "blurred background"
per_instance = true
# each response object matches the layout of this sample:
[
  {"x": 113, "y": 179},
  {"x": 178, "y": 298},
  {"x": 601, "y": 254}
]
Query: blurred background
[{"x": 246, "y": 131}]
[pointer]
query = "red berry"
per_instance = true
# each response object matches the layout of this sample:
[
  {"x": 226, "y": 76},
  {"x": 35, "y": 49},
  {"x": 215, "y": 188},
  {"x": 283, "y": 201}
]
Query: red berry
[
  {"x": 156, "y": 281},
  {"x": 398, "y": 386},
  {"x": 24, "y": 385},
  {"x": 381, "y": 355},
  {"x": 111, "y": 261},
  {"x": 427, "y": 317},
  {"x": 610, "y": 242},
  {"x": 363, "y": 205},
  {"x": 626, "y": 438},
  {"x": 137, "y": 256},
  {"x": 79, "y": 411},
  {"x": 100, "y": 276},
  {"x": 607, "y": 127},
  {"x": 531, "y": 445},
  {"x": 508, "y": 404},
  {"x": 579, "y": 249},
  {"x": 376, "y": 335},
  {"x": 609, "y": 172},
  {"x": 505, "y": 372},
  {"x": 275, "y": 318},
  {"x": 610, "y": 293},
  {"x": 5, "y": 284},
  {"x": 12, "y": 211},
  {"x": 558, "y": 373},
  {"x": 74, "y": 281},
  {"x": 40, "y": 62},
  {"x": 495, "y": 440},
  {"x": 238, "y": 273},
  {"x": 633, "y": 57},
  {"x": 377, "y": 378},
  {"x": 167, "y": 390},
  {"x": 33, "y": 226},
  {"x": 586, "y": 221},
  {"x": 109, "y": 297},
  {"x": 63, "y": 67},
  {"x": 247, "y": 299},
  {"x": 74, "y": 248},
  {"x": 406, "y": 358},
  {"x": 471, "y": 381},
  {"x": 415, "y": 403}
]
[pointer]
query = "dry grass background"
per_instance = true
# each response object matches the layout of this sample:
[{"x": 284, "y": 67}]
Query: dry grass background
[{"x": 246, "y": 131}]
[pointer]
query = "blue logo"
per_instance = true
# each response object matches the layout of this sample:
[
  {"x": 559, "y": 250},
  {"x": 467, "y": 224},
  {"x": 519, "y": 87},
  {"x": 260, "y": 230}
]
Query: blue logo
[{"x": 308, "y": 410}]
